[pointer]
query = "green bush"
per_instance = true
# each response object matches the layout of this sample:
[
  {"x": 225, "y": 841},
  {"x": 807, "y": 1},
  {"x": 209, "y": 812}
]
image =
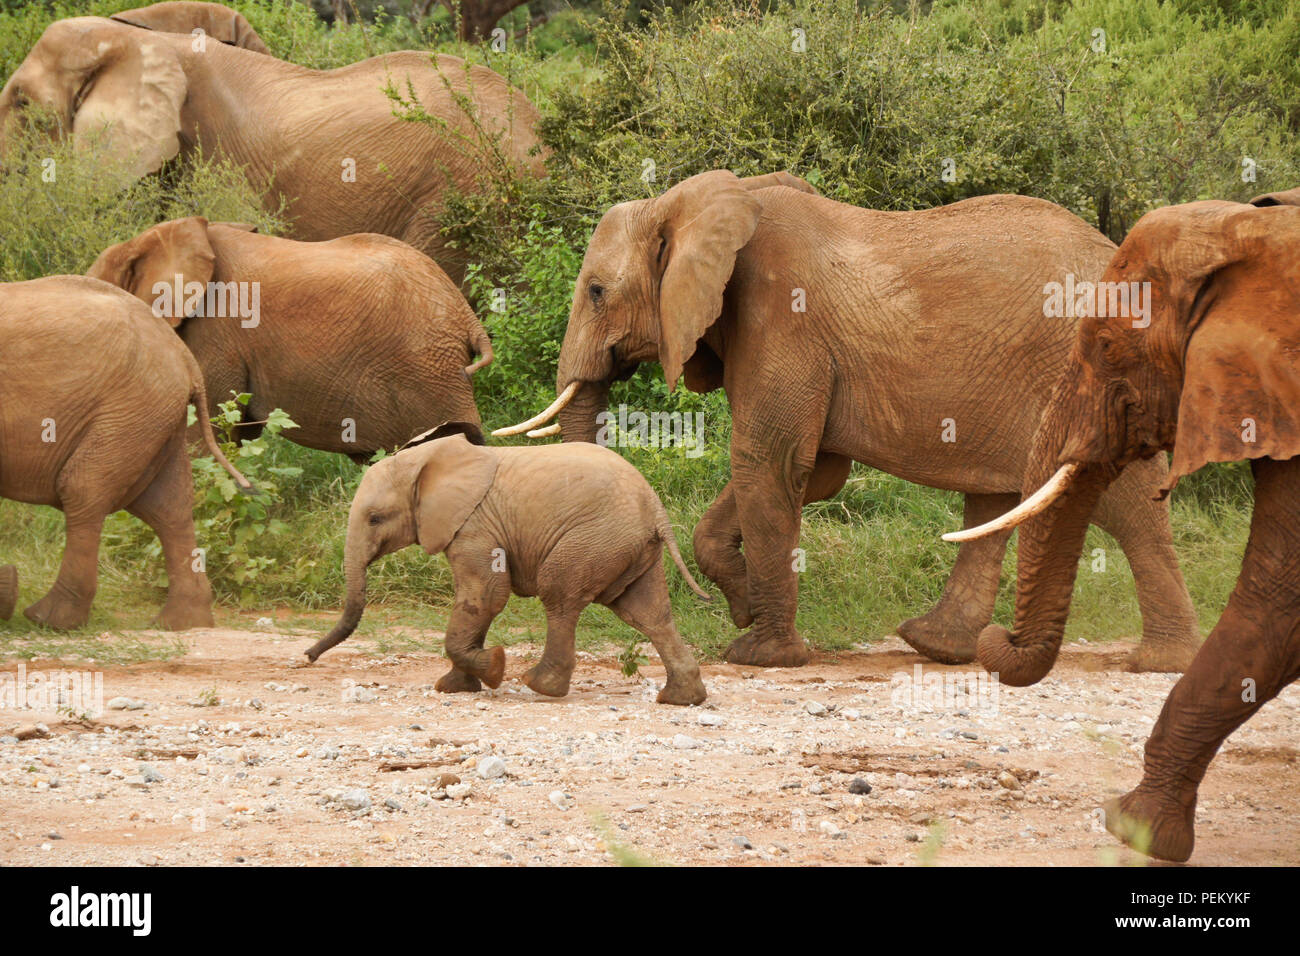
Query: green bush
[
  {"x": 1016, "y": 93},
  {"x": 60, "y": 207}
]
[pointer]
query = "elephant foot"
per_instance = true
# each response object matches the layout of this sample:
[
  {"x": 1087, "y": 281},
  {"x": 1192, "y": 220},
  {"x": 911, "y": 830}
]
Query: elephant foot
[
  {"x": 1153, "y": 824},
  {"x": 57, "y": 613},
  {"x": 763, "y": 651},
  {"x": 8, "y": 591},
  {"x": 1162, "y": 657},
  {"x": 457, "y": 681},
  {"x": 183, "y": 615},
  {"x": 683, "y": 691},
  {"x": 549, "y": 681},
  {"x": 496, "y": 669},
  {"x": 945, "y": 639},
  {"x": 739, "y": 610}
]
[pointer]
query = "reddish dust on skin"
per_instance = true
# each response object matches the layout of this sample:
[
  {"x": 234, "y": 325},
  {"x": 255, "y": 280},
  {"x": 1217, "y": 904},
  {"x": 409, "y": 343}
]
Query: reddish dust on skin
[{"x": 759, "y": 775}]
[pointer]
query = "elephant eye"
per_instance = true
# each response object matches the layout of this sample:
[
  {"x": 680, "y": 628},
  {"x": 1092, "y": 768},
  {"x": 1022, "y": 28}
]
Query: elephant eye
[
  {"x": 597, "y": 292},
  {"x": 376, "y": 519}
]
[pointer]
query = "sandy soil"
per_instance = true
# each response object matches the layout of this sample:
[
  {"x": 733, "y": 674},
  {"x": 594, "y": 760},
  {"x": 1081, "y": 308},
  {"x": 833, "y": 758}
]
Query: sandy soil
[{"x": 347, "y": 762}]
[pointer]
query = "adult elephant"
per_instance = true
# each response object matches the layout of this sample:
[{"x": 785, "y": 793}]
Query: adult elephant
[
  {"x": 325, "y": 144},
  {"x": 843, "y": 334},
  {"x": 1214, "y": 377},
  {"x": 93, "y": 396},
  {"x": 185, "y": 16},
  {"x": 362, "y": 340}
]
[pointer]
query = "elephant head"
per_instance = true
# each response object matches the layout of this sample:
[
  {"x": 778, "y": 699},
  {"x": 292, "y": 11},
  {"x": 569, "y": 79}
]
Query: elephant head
[
  {"x": 1209, "y": 368},
  {"x": 423, "y": 494},
  {"x": 650, "y": 287},
  {"x": 157, "y": 256},
  {"x": 105, "y": 84},
  {"x": 185, "y": 16}
]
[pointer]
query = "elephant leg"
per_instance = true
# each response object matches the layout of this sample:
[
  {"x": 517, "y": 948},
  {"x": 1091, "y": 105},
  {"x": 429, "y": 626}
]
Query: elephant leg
[
  {"x": 1170, "y": 635},
  {"x": 1250, "y": 656},
  {"x": 769, "y": 499},
  {"x": 718, "y": 538},
  {"x": 551, "y": 675},
  {"x": 8, "y": 591},
  {"x": 645, "y": 606},
  {"x": 166, "y": 505},
  {"x": 717, "y": 551},
  {"x": 480, "y": 596},
  {"x": 67, "y": 605},
  {"x": 948, "y": 632}
]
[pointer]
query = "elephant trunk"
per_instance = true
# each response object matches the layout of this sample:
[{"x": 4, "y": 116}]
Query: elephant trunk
[
  {"x": 1050, "y": 544},
  {"x": 578, "y": 419},
  {"x": 354, "y": 604}
]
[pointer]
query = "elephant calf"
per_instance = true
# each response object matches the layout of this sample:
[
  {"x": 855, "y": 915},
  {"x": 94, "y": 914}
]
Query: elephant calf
[
  {"x": 570, "y": 524},
  {"x": 363, "y": 340},
  {"x": 93, "y": 396}
]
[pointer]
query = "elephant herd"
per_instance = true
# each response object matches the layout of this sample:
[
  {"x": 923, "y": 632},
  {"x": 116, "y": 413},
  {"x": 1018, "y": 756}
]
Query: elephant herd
[{"x": 998, "y": 346}]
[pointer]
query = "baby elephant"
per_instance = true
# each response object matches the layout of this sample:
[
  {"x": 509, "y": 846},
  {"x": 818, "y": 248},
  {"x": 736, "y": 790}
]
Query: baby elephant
[{"x": 570, "y": 524}]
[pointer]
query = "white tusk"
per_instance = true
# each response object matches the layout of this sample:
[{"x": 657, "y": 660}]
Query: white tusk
[
  {"x": 1035, "y": 503},
  {"x": 554, "y": 409},
  {"x": 545, "y": 432}
]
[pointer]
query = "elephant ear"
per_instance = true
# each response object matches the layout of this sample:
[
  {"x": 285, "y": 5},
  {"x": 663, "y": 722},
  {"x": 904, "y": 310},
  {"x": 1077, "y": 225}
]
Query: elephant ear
[
  {"x": 782, "y": 178},
  {"x": 131, "y": 105},
  {"x": 148, "y": 265},
  {"x": 1290, "y": 197},
  {"x": 473, "y": 434},
  {"x": 453, "y": 480},
  {"x": 1241, "y": 373},
  {"x": 181, "y": 16},
  {"x": 704, "y": 222}
]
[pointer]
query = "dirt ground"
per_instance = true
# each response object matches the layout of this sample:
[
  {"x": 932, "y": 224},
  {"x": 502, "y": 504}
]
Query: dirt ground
[{"x": 235, "y": 754}]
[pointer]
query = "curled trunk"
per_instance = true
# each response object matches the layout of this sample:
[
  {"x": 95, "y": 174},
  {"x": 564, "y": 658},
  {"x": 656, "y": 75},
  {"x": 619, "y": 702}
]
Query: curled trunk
[
  {"x": 1047, "y": 563},
  {"x": 353, "y": 607},
  {"x": 578, "y": 419}
]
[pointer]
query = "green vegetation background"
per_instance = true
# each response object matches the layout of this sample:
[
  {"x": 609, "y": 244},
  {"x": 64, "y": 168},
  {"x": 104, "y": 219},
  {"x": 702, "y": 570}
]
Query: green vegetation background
[{"x": 1023, "y": 96}]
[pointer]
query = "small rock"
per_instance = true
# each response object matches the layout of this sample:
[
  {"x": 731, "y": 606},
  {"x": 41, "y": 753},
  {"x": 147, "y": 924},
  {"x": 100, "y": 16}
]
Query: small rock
[
  {"x": 683, "y": 742},
  {"x": 149, "y": 774},
  {"x": 560, "y": 799},
  {"x": 125, "y": 703},
  {"x": 859, "y": 786},
  {"x": 355, "y": 800},
  {"x": 459, "y": 791},
  {"x": 708, "y": 719},
  {"x": 32, "y": 732},
  {"x": 490, "y": 767},
  {"x": 256, "y": 703},
  {"x": 814, "y": 708},
  {"x": 1008, "y": 780},
  {"x": 446, "y": 780},
  {"x": 392, "y": 804},
  {"x": 831, "y": 830},
  {"x": 742, "y": 843},
  {"x": 265, "y": 622}
]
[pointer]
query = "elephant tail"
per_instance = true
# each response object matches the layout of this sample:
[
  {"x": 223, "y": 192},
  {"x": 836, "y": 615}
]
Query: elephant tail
[
  {"x": 665, "y": 532},
  {"x": 199, "y": 398},
  {"x": 481, "y": 345}
]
